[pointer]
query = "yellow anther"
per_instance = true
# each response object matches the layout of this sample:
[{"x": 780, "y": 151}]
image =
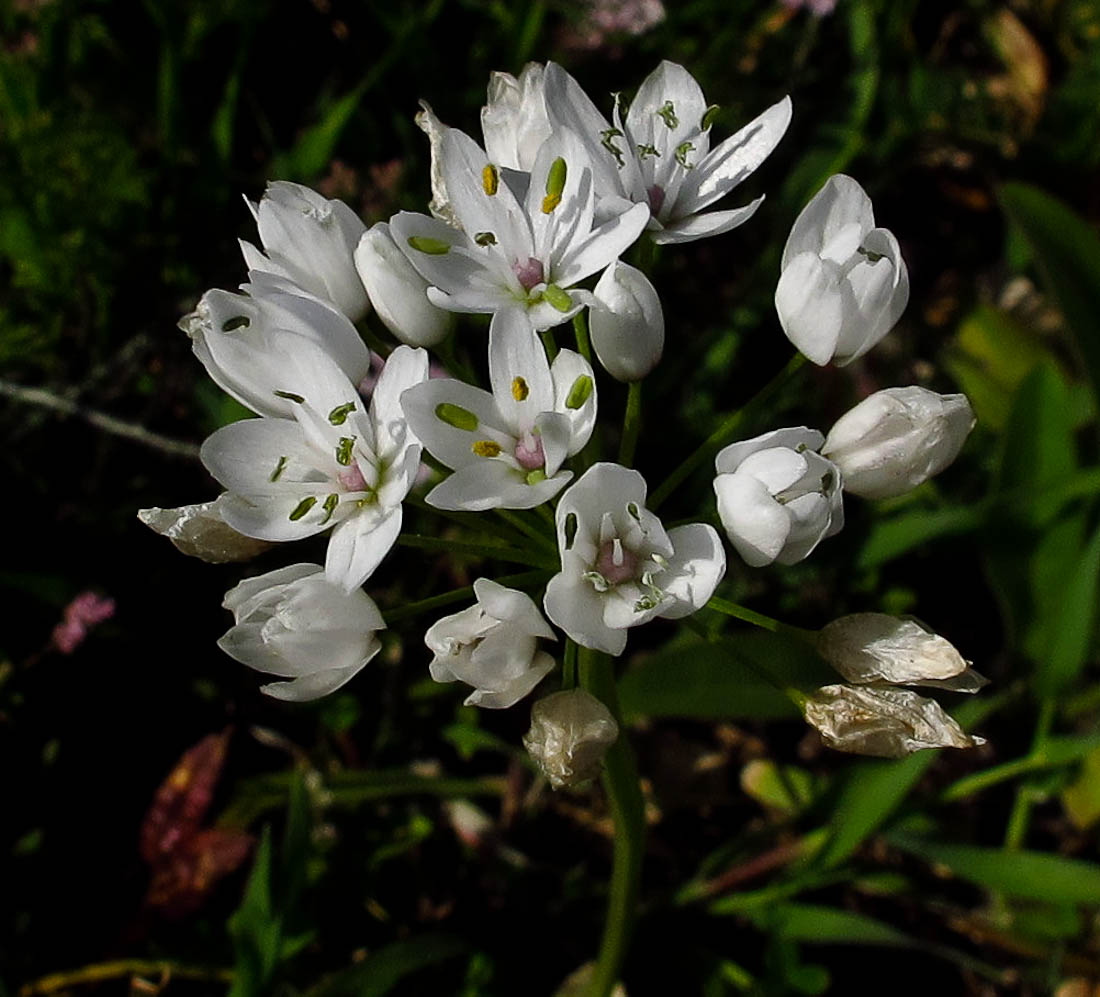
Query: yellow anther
[
  {"x": 520, "y": 391},
  {"x": 490, "y": 179},
  {"x": 486, "y": 448}
]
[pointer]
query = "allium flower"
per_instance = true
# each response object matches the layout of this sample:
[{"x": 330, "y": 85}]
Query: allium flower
[
  {"x": 777, "y": 499},
  {"x": 522, "y": 249},
  {"x": 238, "y": 338},
  {"x": 294, "y": 623},
  {"x": 492, "y": 646},
  {"x": 627, "y": 323},
  {"x": 334, "y": 464},
  {"x": 897, "y": 439},
  {"x": 619, "y": 567},
  {"x": 86, "y": 611},
  {"x": 660, "y": 154},
  {"x": 569, "y": 736},
  {"x": 843, "y": 284},
  {"x": 309, "y": 240},
  {"x": 514, "y": 122},
  {"x": 200, "y": 531},
  {"x": 506, "y": 448}
]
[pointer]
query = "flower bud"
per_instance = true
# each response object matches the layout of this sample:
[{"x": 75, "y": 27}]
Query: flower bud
[
  {"x": 514, "y": 122},
  {"x": 309, "y": 240},
  {"x": 199, "y": 531},
  {"x": 627, "y": 324},
  {"x": 570, "y": 733},
  {"x": 294, "y": 623},
  {"x": 397, "y": 291},
  {"x": 887, "y": 723},
  {"x": 492, "y": 646},
  {"x": 777, "y": 498},
  {"x": 897, "y": 439},
  {"x": 843, "y": 284}
]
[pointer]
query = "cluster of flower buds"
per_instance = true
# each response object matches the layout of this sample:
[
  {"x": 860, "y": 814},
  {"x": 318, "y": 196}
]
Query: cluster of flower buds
[{"x": 527, "y": 228}]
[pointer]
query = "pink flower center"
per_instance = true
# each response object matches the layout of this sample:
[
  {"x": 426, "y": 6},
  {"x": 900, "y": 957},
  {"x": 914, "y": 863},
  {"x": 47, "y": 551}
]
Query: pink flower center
[
  {"x": 529, "y": 273},
  {"x": 352, "y": 479},
  {"x": 656, "y": 197},
  {"x": 529, "y": 453},
  {"x": 616, "y": 563}
]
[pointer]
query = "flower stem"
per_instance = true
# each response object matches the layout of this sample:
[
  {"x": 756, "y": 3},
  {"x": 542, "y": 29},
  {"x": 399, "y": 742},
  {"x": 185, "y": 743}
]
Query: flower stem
[
  {"x": 624, "y": 799},
  {"x": 580, "y": 329},
  {"x": 727, "y": 608},
  {"x": 724, "y": 433},
  {"x": 498, "y": 551},
  {"x": 411, "y": 609},
  {"x": 532, "y": 532},
  {"x": 549, "y": 344},
  {"x": 632, "y": 424}
]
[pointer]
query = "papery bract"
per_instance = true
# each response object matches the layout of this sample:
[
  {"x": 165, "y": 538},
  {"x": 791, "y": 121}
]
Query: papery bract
[
  {"x": 569, "y": 736},
  {"x": 627, "y": 323},
  {"x": 200, "y": 531}
]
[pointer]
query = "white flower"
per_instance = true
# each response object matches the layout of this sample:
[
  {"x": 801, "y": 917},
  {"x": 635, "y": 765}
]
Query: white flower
[
  {"x": 627, "y": 323},
  {"x": 237, "y": 338},
  {"x": 661, "y": 156},
  {"x": 492, "y": 646},
  {"x": 309, "y": 240},
  {"x": 506, "y": 448},
  {"x": 619, "y": 567},
  {"x": 777, "y": 499},
  {"x": 294, "y": 623},
  {"x": 569, "y": 736},
  {"x": 398, "y": 292},
  {"x": 514, "y": 121},
  {"x": 897, "y": 439},
  {"x": 334, "y": 465},
  {"x": 522, "y": 249},
  {"x": 843, "y": 283},
  {"x": 200, "y": 531}
]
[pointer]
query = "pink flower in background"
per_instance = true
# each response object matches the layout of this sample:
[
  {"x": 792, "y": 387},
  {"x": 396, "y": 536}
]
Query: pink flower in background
[
  {"x": 617, "y": 17},
  {"x": 84, "y": 612},
  {"x": 819, "y": 8}
]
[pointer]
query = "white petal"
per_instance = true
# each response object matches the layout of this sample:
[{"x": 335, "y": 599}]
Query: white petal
[
  {"x": 700, "y": 226},
  {"x": 404, "y": 367},
  {"x": 358, "y": 545},
  {"x": 840, "y": 204},
  {"x": 567, "y": 369},
  {"x": 694, "y": 570},
  {"x": 512, "y": 606},
  {"x": 754, "y": 522},
  {"x": 309, "y": 687},
  {"x": 518, "y": 371},
  {"x": 795, "y": 438},
  {"x": 574, "y": 606},
  {"x": 492, "y": 484},
  {"x": 448, "y": 443},
  {"x": 811, "y": 306},
  {"x": 603, "y": 245}
]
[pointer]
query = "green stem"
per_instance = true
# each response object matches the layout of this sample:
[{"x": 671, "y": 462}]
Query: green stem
[
  {"x": 549, "y": 344},
  {"x": 624, "y": 799},
  {"x": 374, "y": 340},
  {"x": 580, "y": 330},
  {"x": 411, "y": 609},
  {"x": 724, "y": 433},
  {"x": 1018, "y": 820},
  {"x": 569, "y": 665},
  {"x": 99, "y": 972},
  {"x": 446, "y": 352},
  {"x": 532, "y": 532},
  {"x": 632, "y": 424},
  {"x": 727, "y": 608},
  {"x": 497, "y": 551}
]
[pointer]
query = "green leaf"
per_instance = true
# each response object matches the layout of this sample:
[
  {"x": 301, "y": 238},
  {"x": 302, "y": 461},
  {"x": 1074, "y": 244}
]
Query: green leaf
[
  {"x": 890, "y": 538},
  {"x": 313, "y": 151},
  {"x": 788, "y": 788},
  {"x": 379, "y": 973},
  {"x": 1067, "y": 254},
  {"x": 829, "y": 926},
  {"x": 255, "y": 928},
  {"x": 1072, "y": 636},
  {"x": 1039, "y": 437},
  {"x": 1081, "y": 798},
  {"x": 1031, "y": 875}
]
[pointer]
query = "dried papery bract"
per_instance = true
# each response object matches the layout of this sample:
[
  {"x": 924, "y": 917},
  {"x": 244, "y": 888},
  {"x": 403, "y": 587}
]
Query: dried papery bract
[
  {"x": 569, "y": 736},
  {"x": 876, "y": 647},
  {"x": 884, "y": 722},
  {"x": 199, "y": 531}
]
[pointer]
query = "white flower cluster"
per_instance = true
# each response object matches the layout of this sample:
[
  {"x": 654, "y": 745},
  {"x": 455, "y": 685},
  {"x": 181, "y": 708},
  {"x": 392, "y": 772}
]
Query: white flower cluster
[{"x": 529, "y": 229}]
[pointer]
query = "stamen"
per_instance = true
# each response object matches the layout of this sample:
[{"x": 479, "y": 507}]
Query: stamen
[
  {"x": 279, "y": 468},
  {"x": 486, "y": 448},
  {"x": 232, "y": 324},
  {"x": 605, "y": 140},
  {"x": 579, "y": 393},
  {"x": 426, "y": 244},
  {"x": 485, "y": 239},
  {"x": 339, "y": 415},
  {"x": 667, "y": 113},
  {"x": 457, "y": 416},
  {"x": 520, "y": 391},
  {"x": 682, "y": 151},
  {"x": 490, "y": 179},
  {"x": 343, "y": 450},
  {"x": 303, "y": 507},
  {"x": 555, "y": 185},
  {"x": 290, "y": 396},
  {"x": 558, "y": 298},
  {"x": 329, "y": 506}
]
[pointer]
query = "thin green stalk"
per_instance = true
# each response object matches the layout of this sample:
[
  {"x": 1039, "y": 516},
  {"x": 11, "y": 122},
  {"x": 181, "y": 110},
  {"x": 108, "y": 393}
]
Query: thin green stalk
[
  {"x": 102, "y": 971},
  {"x": 1020, "y": 818},
  {"x": 569, "y": 665},
  {"x": 532, "y": 532},
  {"x": 411, "y": 609},
  {"x": 374, "y": 341},
  {"x": 727, "y": 608},
  {"x": 624, "y": 799},
  {"x": 724, "y": 433},
  {"x": 580, "y": 330},
  {"x": 498, "y": 551},
  {"x": 446, "y": 352},
  {"x": 632, "y": 424},
  {"x": 549, "y": 344}
]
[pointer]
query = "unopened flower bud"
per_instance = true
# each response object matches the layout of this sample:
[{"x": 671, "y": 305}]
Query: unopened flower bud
[
  {"x": 397, "y": 291},
  {"x": 199, "y": 531},
  {"x": 897, "y": 439},
  {"x": 627, "y": 324},
  {"x": 887, "y": 723},
  {"x": 875, "y": 647},
  {"x": 570, "y": 733}
]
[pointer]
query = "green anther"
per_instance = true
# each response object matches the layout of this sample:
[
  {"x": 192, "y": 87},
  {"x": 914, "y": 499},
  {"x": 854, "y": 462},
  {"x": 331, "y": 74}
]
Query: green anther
[
  {"x": 667, "y": 113},
  {"x": 485, "y": 239},
  {"x": 535, "y": 476},
  {"x": 570, "y": 530},
  {"x": 339, "y": 415},
  {"x": 426, "y": 244},
  {"x": 303, "y": 507},
  {"x": 557, "y": 297},
  {"x": 240, "y": 322},
  {"x": 457, "y": 416},
  {"x": 290, "y": 396},
  {"x": 648, "y": 150},
  {"x": 343, "y": 451},
  {"x": 329, "y": 506},
  {"x": 579, "y": 393},
  {"x": 682, "y": 151},
  {"x": 490, "y": 179},
  {"x": 605, "y": 140},
  {"x": 708, "y": 117},
  {"x": 872, "y": 257},
  {"x": 555, "y": 185},
  {"x": 646, "y": 602},
  {"x": 632, "y": 508},
  {"x": 827, "y": 481},
  {"x": 279, "y": 468}
]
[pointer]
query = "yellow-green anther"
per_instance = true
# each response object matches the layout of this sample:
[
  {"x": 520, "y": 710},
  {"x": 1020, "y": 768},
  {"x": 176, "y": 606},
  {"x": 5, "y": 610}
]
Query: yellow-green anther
[
  {"x": 490, "y": 179},
  {"x": 339, "y": 415},
  {"x": 557, "y": 297},
  {"x": 486, "y": 448},
  {"x": 605, "y": 140},
  {"x": 426, "y": 244},
  {"x": 485, "y": 239},
  {"x": 681, "y": 155},
  {"x": 648, "y": 150},
  {"x": 290, "y": 396},
  {"x": 240, "y": 322},
  {"x": 343, "y": 450},
  {"x": 579, "y": 393},
  {"x": 303, "y": 507},
  {"x": 457, "y": 416},
  {"x": 555, "y": 185},
  {"x": 329, "y": 506},
  {"x": 708, "y": 117},
  {"x": 667, "y": 113},
  {"x": 279, "y": 468},
  {"x": 520, "y": 391},
  {"x": 535, "y": 476}
]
